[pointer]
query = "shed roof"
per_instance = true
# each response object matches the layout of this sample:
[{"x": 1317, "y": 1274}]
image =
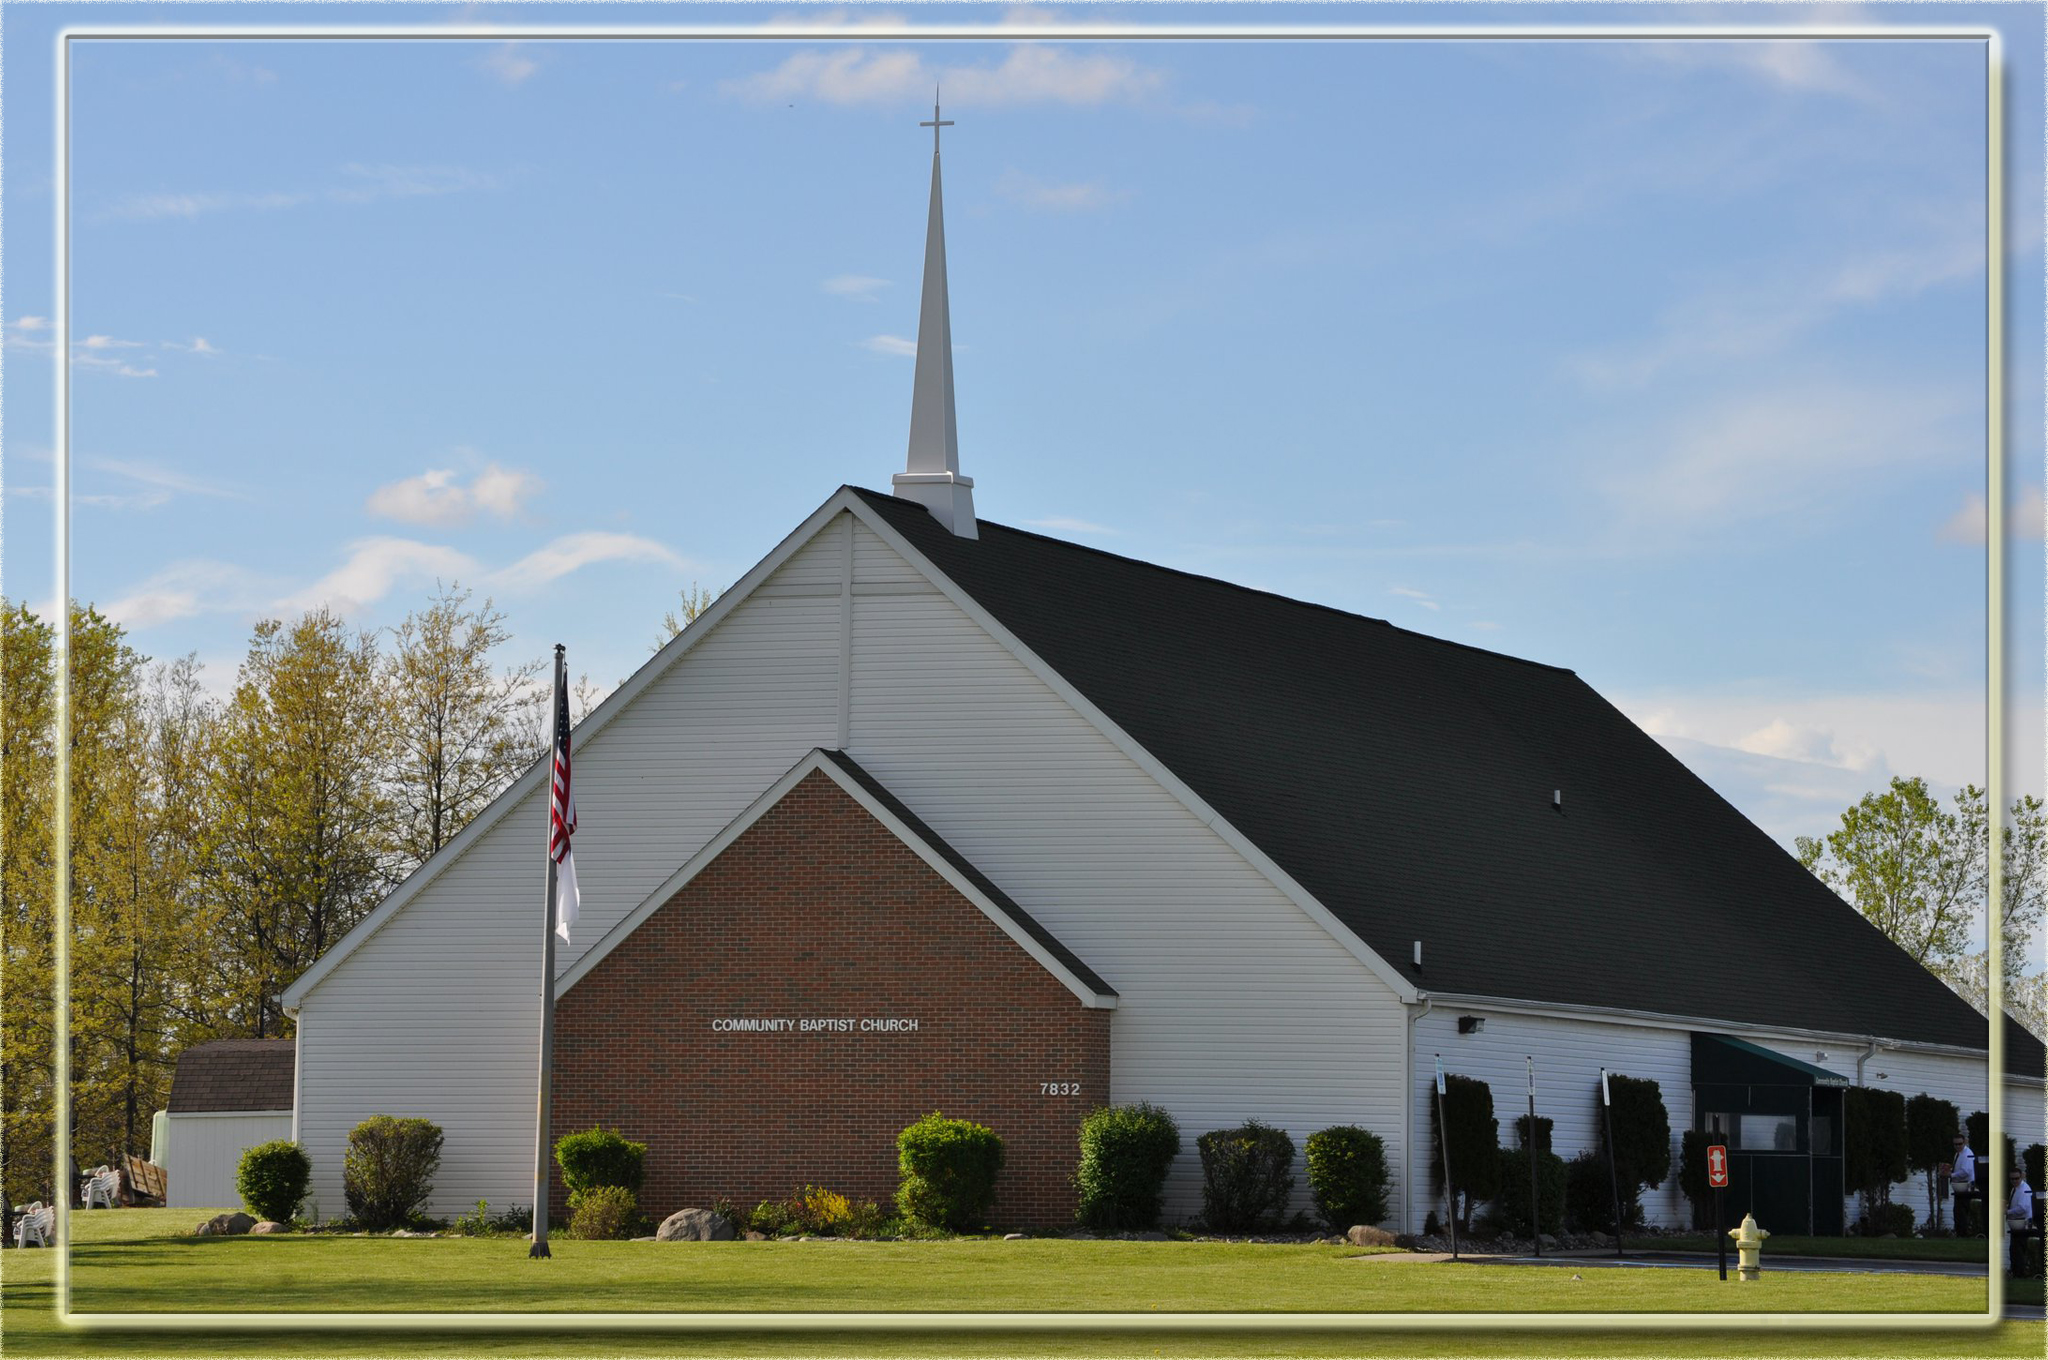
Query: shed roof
[
  {"x": 1406, "y": 782},
  {"x": 234, "y": 1074}
]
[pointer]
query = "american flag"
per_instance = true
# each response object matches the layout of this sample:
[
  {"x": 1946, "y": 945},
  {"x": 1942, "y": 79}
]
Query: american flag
[{"x": 562, "y": 815}]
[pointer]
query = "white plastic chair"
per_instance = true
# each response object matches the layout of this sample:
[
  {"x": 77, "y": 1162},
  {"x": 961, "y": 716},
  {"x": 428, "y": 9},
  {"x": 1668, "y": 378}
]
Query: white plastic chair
[
  {"x": 33, "y": 1227},
  {"x": 101, "y": 1188}
]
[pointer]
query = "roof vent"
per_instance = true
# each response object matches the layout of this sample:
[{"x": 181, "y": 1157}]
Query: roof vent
[
  {"x": 1557, "y": 799},
  {"x": 1418, "y": 953}
]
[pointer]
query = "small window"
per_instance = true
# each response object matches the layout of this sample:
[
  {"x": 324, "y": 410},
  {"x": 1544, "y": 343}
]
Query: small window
[{"x": 1770, "y": 1132}]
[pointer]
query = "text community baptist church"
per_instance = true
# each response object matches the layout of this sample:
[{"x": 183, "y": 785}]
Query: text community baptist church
[{"x": 927, "y": 812}]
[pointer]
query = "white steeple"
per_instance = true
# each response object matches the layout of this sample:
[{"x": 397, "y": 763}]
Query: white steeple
[{"x": 931, "y": 475}]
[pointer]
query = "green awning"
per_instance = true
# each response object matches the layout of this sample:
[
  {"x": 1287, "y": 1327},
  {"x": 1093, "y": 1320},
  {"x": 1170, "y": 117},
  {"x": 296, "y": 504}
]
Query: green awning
[{"x": 1722, "y": 1060}]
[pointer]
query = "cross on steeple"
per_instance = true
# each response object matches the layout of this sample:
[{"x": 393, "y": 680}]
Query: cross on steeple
[{"x": 937, "y": 122}]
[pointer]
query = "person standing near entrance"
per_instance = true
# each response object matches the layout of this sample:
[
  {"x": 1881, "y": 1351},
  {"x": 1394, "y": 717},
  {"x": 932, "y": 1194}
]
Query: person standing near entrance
[
  {"x": 2019, "y": 1222},
  {"x": 1962, "y": 1184}
]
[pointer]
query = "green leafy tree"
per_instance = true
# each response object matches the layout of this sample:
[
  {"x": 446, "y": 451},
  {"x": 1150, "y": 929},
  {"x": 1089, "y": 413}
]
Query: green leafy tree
[
  {"x": 27, "y": 893},
  {"x": 301, "y": 813},
  {"x": 457, "y": 722},
  {"x": 695, "y": 601},
  {"x": 1467, "y": 1126}
]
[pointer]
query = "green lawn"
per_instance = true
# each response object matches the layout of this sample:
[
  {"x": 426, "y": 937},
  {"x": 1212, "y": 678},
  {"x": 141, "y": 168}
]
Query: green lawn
[
  {"x": 1868, "y": 1248},
  {"x": 132, "y": 1260}
]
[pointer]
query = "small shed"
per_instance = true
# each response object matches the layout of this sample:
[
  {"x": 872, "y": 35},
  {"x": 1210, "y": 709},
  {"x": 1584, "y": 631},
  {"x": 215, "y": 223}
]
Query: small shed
[{"x": 226, "y": 1097}]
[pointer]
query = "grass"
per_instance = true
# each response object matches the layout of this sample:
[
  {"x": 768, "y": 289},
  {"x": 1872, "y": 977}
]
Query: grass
[
  {"x": 133, "y": 1261},
  {"x": 1860, "y": 1248}
]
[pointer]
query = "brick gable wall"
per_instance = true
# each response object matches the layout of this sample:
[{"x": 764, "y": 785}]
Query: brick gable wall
[{"x": 818, "y": 911}]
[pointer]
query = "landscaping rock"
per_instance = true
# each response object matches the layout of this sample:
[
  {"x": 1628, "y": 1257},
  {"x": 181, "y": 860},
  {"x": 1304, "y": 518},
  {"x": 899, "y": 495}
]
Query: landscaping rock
[
  {"x": 1154, "y": 1236},
  {"x": 271, "y": 1225},
  {"x": 647, "y": 1239},
  {"x": 1549, "y": 1242},
  {"x": 695, "y": 1225},
  {"x": 225, "y": 1225},
  {"x": 1013, "y": 1237},
  {"x": 753, "y": 1236},
  {"x": 1366, "y": 1235}
]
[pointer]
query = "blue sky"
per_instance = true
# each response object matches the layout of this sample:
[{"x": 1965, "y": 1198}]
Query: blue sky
[{"x": 1659, "y": 359}]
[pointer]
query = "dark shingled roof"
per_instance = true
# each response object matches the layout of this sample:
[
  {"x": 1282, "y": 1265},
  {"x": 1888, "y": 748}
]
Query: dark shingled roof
[
  {"x": 1406, "y": 783},
  {"x": 234, "y": 1074},
  {"x": 973, "y": 875}
]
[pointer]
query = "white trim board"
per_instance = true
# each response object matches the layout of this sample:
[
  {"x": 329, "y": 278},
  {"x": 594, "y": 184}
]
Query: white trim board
[{"x": 816, "y": 761}]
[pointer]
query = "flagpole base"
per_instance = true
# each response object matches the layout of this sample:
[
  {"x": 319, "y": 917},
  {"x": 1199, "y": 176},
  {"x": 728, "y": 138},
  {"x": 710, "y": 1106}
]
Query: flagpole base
[{"x": 539, "y": 1249}]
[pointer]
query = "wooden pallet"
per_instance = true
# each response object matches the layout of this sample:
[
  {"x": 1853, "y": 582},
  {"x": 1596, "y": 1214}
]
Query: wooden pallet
[{"x": 143, "y": 1181}]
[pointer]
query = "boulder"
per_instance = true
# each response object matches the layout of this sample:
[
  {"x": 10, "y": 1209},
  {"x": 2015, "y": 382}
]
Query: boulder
[
  {"x": 1153, "y": 1235},
  {"x": 753, "y": 1236},
  {"x": 1013, "y": 1237},
  {"x": 1366, "y": 1235},
  {"x": 695, "y": 1225},
  {"x": 1549, "y": 1242},
  {"x": 225, "y": 1225},
  {"x": 271, "y": 1225}
]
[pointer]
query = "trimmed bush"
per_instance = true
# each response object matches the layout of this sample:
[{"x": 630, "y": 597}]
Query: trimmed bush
[
  {"x": 598, "y": 1157},
  {"x": 271, "y": 1179},
  {"x": 1642, "y": 1138},
  {"x": 1931, "y": 1125},
  {"x": 1874, "y": 1150},
  {"x": 1893, "y": 1219},
  {"x": 1247, "y": 1175},
  {"x": 2031, "y": 1160},
  {"x": 769, "y": 1217},
  {"x": 1126, "y": 1151},
  {"x": 1589, "y": 1199},
  {"x": 1543, "y": 1127},
  {"x": 949, "y": 1169},
  {"x": 1474, "y": 1140},
  {"x": 1347, "y": 1174},
  {"x": 604, "y": 1213},
  {"x": 1692, "y": 1173},
  {"x": 388, "y": 1171},
  {"x": 1511, "y": 1204}
]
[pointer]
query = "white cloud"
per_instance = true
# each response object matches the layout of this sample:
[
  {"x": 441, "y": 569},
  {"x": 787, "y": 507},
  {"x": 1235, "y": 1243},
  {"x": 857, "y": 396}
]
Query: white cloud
[
  {"x": 2023, "y": 519},
  {"x": 1033, "y": 192},
  {"x": 165, "y": 479},
  {"x": 1066, "y": 524},
  {"x": 436, "y": 497},
  {"x": 854, "y": 287},
  {"x": 359, "y": 184},
  {"x": 108, "y": 342},
  {"x": 1484, "y": 625},
  {"x": 1794, "y": 64},
  {"x": 507, "y": 63},
  {"x": 1421, "y": 597},
  {"x": 1774, "y": 454},
  {"x": 373, "y": 568},
  {"x": 571, "y": 552},
  {"x": 891, "y": 344},
  {"x": 198, "y": 346},
  {"x": 1030, "y": 74},
  {"x": 29, "y": 323},
  {"x": 1791, "y": 741},
  {"x": 183, "y": 589},
  {"x": 108, "y": 364}
]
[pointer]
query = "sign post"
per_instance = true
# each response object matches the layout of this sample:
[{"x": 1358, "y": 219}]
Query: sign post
[
  {"x": 1535, "y": 1195},
  {"x": 1717, "y": 1181},
  {"x": 1443, "y": 1133},
  {"x": 1613, "y": 1173}
]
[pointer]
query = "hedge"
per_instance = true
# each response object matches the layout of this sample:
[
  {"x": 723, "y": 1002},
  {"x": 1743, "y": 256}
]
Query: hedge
[
  {"x": 1347, "y": 1174},
  {"x": 388, "y": 1171},
  {"x": 271, "y": 1179},
  {"x": 1247, "y": 1175},
  {"x": 1126, "y": 1151},
  {"x": 949, "y": 1169}
]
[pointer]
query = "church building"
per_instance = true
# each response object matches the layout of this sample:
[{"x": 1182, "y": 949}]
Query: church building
[{"x": 931, "y": 813}]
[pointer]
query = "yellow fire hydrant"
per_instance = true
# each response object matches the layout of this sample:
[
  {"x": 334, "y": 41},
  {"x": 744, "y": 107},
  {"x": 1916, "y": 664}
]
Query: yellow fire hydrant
[{"x": 1749, "y": 1248}]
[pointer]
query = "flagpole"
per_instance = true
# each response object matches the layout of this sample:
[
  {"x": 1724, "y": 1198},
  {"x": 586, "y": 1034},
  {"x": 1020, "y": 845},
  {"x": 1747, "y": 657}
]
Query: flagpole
[{"x": 547, "y": 980}]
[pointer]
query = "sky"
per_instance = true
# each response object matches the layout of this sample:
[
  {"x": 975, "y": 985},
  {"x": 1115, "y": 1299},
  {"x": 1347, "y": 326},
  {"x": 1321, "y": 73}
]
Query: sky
[{"x": 1662, "y": 359}]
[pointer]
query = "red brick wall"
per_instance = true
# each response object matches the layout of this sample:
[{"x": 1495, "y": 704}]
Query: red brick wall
[{"x": 818, "y": 911}]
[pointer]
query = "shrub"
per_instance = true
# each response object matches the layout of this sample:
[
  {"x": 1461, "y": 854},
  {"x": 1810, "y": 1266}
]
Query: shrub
[
  {"x": 1511, "y": 1203},
  {"x": 2031, "y": 1159},
  {"x": 865, "y": 1219},
  {"x": 388, "y": 1170},
  {"x": 949, "y": 1171},
  {"x": 1126, "y": 1151},
  {"x": 513, "y": 1220},
  {"x": 1589, "y": 1196},
  {"x": 597, "y": 1157},
  {"x": 1247, "y": 1175},
  {"x": 477, "y": 1224},
  {"x": 1543, "y": 1127},
  {"x": 1432, "y": 1226},
  {"x": 1473, "y": 1134},
  {"x": 1931, "y": 1125},
  {"x": 604, "y": 1213},
  {"x": 1642, "y": 1138},
  {"x": 271, "y": 1179},
  {"x": 1896, "y": 1219},
  {"x": 769, "y": 1217},
  {"x": 1874, "y": 1150},
  {"x": 814, "y": 1209},
  {"x": 1347, "y": 1174}
]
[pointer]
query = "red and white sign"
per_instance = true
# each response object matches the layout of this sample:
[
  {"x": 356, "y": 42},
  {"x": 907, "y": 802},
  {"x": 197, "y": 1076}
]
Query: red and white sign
[{"x": 1717, "y": 1167}]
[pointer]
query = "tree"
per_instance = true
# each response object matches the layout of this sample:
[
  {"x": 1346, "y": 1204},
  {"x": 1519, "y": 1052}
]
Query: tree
[
  {"x": 1931, "y": 1125},
  {"x": 457, "y": 724},
  {"x": 695, "y": 601},
  {"x": 1467, "y": 1126},
  {"x": 301, "y": 817},
  {"x": 1875, "y": 1152},
  {"x": 27, "y": 892},
  {"x": 1642, "y": 1136}
]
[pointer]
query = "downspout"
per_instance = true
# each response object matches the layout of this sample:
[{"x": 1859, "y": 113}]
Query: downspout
[
  {"x": 1862, "y": 1058},
  {"x": 1408, "y": 1115}
]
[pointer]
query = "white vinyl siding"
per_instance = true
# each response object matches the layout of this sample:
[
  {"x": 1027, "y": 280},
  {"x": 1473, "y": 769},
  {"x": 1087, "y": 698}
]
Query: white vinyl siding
[
  {"x": 205, "y": 1150},
  {"x": 1234, "y": 1003}
]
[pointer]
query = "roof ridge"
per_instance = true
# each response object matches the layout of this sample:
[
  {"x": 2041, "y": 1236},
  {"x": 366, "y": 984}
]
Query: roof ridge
[{"x": 1232, "y": 585}]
